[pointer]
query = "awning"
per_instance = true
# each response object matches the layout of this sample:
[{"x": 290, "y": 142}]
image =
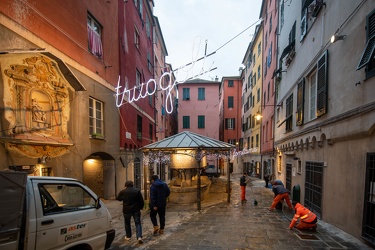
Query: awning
[
  {"x": 287, "y": 50},
  {"x": 188, "y": 140}
]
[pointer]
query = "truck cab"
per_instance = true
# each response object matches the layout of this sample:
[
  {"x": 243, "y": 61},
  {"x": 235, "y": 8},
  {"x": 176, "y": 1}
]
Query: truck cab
[{"x": 51, "y": 213}]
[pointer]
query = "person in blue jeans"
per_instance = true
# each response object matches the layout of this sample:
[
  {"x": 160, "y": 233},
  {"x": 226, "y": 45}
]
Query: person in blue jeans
[
  {"x": 159, "y": 192},
  {"x": 133, "y": 203}
]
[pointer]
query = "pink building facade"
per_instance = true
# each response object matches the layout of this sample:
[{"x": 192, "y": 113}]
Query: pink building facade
[{"x": 198, "y": 108}]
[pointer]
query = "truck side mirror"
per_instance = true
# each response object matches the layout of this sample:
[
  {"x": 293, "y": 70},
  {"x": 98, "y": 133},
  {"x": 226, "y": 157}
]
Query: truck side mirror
[{"x": 97, "y": 203}]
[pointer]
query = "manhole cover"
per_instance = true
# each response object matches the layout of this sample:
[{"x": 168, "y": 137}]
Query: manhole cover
[{"x": 307, "y": 237}]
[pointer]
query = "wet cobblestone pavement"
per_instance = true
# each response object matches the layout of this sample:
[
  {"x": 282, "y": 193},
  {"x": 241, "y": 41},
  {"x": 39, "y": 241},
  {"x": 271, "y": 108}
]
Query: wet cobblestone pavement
[{"x": 223, "y": 225}]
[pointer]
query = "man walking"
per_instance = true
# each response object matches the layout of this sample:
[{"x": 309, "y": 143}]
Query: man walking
[
  {"x": 159, "y": 191},
  {"x": 243, "y": 182},
  {"x": 132, "y": 204}
]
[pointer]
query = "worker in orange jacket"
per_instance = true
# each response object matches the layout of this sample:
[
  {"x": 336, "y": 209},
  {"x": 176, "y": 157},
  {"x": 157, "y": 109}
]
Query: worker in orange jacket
[{"x": 307, "y": 219}]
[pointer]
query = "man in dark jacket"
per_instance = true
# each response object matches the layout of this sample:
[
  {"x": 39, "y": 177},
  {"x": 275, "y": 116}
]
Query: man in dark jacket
[
  {"x": 280, "y": 193},
  {"x": 159, "y": 191},
  {"x": 133, "y": 203}
]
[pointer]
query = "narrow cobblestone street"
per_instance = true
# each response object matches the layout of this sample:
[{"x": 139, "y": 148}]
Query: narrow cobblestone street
[{"x": 223, "y": 225}]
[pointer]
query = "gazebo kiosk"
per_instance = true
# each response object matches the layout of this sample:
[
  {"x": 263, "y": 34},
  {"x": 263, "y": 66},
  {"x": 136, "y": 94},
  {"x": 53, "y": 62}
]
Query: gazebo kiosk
[{"x": 188, "y": 155}]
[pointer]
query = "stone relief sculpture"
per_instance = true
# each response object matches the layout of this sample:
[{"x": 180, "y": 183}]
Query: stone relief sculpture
[
  {"x": 36, "y": 100},
  {"x": 38, "y": 115}
]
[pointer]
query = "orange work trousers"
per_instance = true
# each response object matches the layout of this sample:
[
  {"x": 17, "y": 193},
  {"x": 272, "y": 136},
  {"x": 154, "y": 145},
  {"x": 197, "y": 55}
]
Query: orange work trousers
[
  {"x": 278, "y": 198},
  {"x": 243, "y": 192},
  {"x": 303, "y": 225}
]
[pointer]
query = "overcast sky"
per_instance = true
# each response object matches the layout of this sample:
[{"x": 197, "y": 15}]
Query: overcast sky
[{"x": 187, "y": 25}]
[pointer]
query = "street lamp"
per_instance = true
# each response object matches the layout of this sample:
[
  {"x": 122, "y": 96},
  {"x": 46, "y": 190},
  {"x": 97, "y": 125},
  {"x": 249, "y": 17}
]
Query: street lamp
[{"x": 259, "y": 116}]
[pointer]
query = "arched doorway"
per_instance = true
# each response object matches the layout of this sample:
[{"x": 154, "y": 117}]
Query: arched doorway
[{"x": 99, "y": 174}]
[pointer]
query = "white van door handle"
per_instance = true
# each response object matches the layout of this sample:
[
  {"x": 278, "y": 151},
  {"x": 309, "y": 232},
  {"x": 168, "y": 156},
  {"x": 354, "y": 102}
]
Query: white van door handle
[{"x": 46, "y": 222}]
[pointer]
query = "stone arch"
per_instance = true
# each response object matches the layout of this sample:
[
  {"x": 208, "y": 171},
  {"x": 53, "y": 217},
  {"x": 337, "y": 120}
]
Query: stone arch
[
  {"x": 321, "y": 140},
  {"x": 313, "y": 142},
  {"x": 99, "y": 173},
  {"x": 307, "y": 143}
]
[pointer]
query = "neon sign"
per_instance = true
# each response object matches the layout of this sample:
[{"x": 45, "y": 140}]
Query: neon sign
[{"x": 124, "y": 95}]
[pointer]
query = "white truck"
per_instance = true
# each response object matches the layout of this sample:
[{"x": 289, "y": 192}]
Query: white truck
[{"x": 51, "y": 213}]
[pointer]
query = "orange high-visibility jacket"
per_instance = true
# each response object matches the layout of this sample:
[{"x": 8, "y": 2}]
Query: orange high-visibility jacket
[{"x": 303, "y": 214}]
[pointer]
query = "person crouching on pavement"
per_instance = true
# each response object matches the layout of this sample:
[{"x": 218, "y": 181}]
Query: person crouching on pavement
[
  {"x": 307, "y": 219},
  {"x": 159, "y": 191},
  {"x": 133, "y": 203},
  {"x": 243, "y": 182},
  {"x": 280, "y": 193}
]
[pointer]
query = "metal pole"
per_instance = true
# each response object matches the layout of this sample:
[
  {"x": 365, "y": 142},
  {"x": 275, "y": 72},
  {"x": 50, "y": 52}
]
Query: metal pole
[
  {"x": 199, "y": 186},
  {"x": 228, "y": 179}
]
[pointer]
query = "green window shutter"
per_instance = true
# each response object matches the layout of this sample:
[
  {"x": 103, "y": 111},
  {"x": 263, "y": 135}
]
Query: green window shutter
[
  {"x": 186, "y": 122},
  {"x": 201, "y": 93},
  {"x": 322, "y": 85},
  {"x": 201, "y": 121},
  {"x": 300, "y": 102}
]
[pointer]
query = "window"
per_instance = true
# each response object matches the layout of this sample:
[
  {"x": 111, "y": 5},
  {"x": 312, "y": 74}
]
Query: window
[
  {"x": 148, "y": 30},
  {"x": 46, "y": 171},
  {"x": 201, "y": 119},
  {"x": 322, "y": 85},
  {"x": 269, "y": 58},
  {"x": 258, "y": 95},
  {"x": 232, "y": 141},
  {"x": 300, "y": 102},
  {"x": 259, "y": 48},
  {"x": 230, "y": 83},
  {"x": 230, "y": 102},
  {"x": 150, "y": 97},
  {"x": 94, "y": 30},
  {"x": 309, "y": 12},
  {"x": 229, "y": 123},
  {"x": 139, "y": 127},
  {"x": 138, "y": 4},
  {"x": 257, "y": 140},
  {"x": 258, "y": 72},
  {"x": 137, "y": 78},
  {"x": 186, "y": 122},
  {"x": 136, "y": 37},
  {"x": 96, "y": 118},
  {"x": 186, "y": 94},
  {"x": 312, "y": 96},
  {"x": 289, "y": 113},
  {"x": 151, "y": 132},
  {"x": 61, "y": 198},
  {"x": 149, "y": 64},
  {"x": 299, "y": 167},
  {"x": 201, "y": 93},
  {"x": 303, "y": 24},
  {"x": 368, "y": 56},
  {"x": 270, "y": 24}
]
